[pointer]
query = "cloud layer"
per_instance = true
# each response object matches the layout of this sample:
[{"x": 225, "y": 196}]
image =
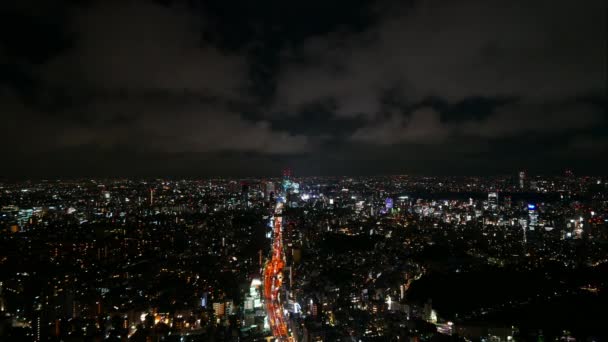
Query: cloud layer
[
  {"x": 369, "y": 87},
  {"x": 541, "y": 51}
]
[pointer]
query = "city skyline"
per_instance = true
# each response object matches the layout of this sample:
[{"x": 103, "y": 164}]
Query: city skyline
[
  {"x": 305, "y": 259},
  {"x": 303, "y": 171}
]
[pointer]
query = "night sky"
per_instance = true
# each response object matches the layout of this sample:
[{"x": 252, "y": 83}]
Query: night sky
[{"x": 332, "y": 87}]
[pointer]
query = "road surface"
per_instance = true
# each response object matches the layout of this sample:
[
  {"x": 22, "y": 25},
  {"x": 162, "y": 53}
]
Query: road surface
[{"x": 273, "y": 280}]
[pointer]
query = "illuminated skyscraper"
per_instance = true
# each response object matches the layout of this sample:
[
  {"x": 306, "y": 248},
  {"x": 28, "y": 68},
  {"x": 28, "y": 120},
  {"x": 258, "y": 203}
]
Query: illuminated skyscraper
[
  {"x": 2, "y": 305},
  {"x": 245, "y": 194},
  {"x": 287, "y": 173},
  {"x": 507, "y": 202},
  {"x": 269, "y": 191},
  {"x": 522, "y": 179},
  {"x": 493, "y": 200},
  {"x": 533, "y": 216},
  {"x": 388, "y": 203},
  {"x": 286, "y": 180}
]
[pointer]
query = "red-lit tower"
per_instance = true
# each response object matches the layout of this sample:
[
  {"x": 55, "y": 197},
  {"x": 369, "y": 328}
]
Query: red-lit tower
[{"x": 287, "y": 173}]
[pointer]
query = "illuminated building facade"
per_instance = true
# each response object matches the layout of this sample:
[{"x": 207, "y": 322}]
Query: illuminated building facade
[
  {"x": 532, "y": 216},
  {"x": 522, "y": 179},
  {"x": 493, "y": 200}
]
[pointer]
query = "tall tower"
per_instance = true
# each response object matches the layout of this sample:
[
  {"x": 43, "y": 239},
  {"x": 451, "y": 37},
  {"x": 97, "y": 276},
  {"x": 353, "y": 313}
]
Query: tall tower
[
  {"x": 286, "y": 180},
  {"x": 286, "y": 173},
  {"x": 493, "y": 200},
  {"x": 533, "y": 216},
  {"x": 522, "y": 179},
  {"x": 2, "y": 305},
  {"x": 245, "y": 193},
  {"x": 269, "y": 191}
]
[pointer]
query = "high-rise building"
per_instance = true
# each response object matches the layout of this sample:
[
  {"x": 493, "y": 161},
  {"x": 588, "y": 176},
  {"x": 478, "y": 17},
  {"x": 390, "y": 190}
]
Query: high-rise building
[
  {"x": 428, "y": 310},
  {"x": 286, "y": 180},
  {"x": 219, "y": 309},
  {"x": 245, "y": 194},
  {"x": 533, "y": 216},
  {"x": 388, "y": 204},
  {"x": 534, "y": 185},
  {"x": 2, "y": 304},
  {"x": 507, "y": 202},
  {"x": 287, "y": 173},
  {"x": 269, "y": 191},
  {"x": 522, "y": 179},
  {"x": 493, "y": 200}
]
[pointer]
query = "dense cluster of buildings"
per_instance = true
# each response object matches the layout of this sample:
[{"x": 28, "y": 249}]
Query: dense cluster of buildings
[{"x": 369, "y": 258}]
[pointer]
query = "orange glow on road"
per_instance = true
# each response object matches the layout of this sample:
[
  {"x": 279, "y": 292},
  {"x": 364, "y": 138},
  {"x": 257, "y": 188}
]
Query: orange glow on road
[{"x": 273, "y": 275}]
